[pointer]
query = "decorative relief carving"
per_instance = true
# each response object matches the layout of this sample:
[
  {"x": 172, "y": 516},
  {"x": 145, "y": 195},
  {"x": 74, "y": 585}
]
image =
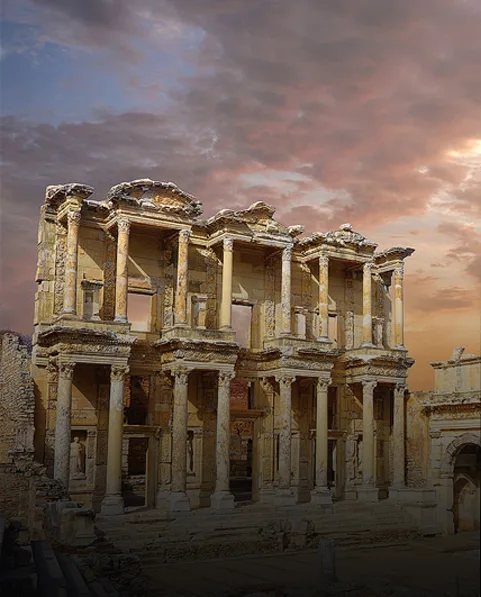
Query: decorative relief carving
[
  {"x": 60, "y": 252},
  {"x": 123, "y": 226},
  {"x": 323, "y": 261},
  {"x": 225, "y": 377},
  {"x": 74, "y": 217},
  {"x": 322, "y": 384},
  {"x": 66, "y": 370},
  {"x": 118, "y": 372},
  {"x": 228, "y": 244},
  {"x": 368, "y": 386},
  {"x": 269, "y": 307},
  {"x": 287, "y": 253},
  {"x": 169, "y": 277}
]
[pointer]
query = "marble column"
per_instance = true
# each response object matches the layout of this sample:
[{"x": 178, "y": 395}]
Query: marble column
[
  {"x": 323, "y": 298},
  {"x": 222, "y": 498},
  {"x": 225, "y": 310},
  {"x": 122, "y": 278},
  {"x": 399, "y": 306},
  {"x": 180, "y": 312},
  {"x": 286, "y": 291},
  {"x": 398, "y": 436},
  {"x": 71, "y": 257},
  {"x": 61, "y": 467},
  {"x": 285, "y": 493},
  {"x": 368, "y": 491},
  {"x": 113, "y": 502},
  {"x": 321, "y": 493},
  {"x": 180, "y": 415},
  {"x": 367, "y": 305}
]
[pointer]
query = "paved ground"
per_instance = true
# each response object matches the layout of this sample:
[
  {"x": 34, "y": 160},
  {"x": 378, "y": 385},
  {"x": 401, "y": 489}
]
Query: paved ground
[{"x": 447, "y": 566}]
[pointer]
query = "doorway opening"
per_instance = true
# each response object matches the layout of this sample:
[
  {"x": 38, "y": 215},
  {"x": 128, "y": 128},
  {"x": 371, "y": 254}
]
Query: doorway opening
[{"x": 466, "y": 489}]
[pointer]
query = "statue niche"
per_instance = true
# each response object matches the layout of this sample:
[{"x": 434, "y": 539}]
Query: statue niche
[{"x": 77, "y": 456}]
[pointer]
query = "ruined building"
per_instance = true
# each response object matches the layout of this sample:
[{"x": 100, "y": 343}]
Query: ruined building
[{"x": 147, "y": 388}]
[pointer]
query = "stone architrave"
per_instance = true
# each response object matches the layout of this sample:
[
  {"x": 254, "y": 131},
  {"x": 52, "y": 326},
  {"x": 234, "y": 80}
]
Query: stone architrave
[
  {"x": 63, "y": 422},
  {"x": 225, "y": 312},
  {"x": 399, "y": 306},
  {"x": 321, "y": 493},
  {"x": 285, "y": 493},
  {"x": 179, "y": 498},
  {"x": 367, "y": 304},
  {"x": 180, "y": 310},
  {"x": 286, "y": 291},
  {"x": 222, "y": 498},
  {"x": 71, "y": 257},
  {"x": 398, "y": 433},
  {"x": 368, "y": 491},
  {"x": 323, "y": 298},
  {"x": 113, "y": 502},
  {"x": 122, "y": 279}
]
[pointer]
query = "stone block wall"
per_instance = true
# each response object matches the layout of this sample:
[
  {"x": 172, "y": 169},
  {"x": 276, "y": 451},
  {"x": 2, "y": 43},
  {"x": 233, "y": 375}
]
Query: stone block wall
[
  {"x": 17, "y": 400},
  {"x": 417, "y": 440}
]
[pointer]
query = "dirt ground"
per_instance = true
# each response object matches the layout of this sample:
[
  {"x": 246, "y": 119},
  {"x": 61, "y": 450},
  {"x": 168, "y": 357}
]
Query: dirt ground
[{"x": 442, "y": 566}]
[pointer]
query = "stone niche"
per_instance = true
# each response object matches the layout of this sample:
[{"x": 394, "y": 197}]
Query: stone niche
[{"x": 82, "y": 459}]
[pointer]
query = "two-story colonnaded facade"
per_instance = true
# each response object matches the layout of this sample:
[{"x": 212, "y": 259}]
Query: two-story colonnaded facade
[{"x": 324, "y": 358}]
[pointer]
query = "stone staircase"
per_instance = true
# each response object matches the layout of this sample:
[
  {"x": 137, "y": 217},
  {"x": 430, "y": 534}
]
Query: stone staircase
[{"x": 204, "y": 534}]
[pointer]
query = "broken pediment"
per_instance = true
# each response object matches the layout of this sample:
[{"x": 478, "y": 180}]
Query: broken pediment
[
  {"x": 162, "y": 196},
  {"x": 57, "y": 194},
  {"x": 393, "y": 254},
  {"x": 258, "y": 217},
  {"x": 344, "y": 236}
]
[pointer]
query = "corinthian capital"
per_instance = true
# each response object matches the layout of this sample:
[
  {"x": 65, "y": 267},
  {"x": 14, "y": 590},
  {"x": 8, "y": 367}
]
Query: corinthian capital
[
  {"x": 399, "y": 271},
  {"x": 228, "y": 244},
  {"x": 118, "y": 372},
  {"x": 225, "y": 377},
  {"x": 285, "y": 381},
  {"x": 74, "y": 217},
  {"x": 287, "y": 253},
  {"x": 368, "y": 386},
  {"x": 123, "y": 226},
  {"x": 400, "y": 388},
  {"x": 323, "y": 260},
  {"x": 66, "y": 370},
  {"x": 367, "y": 267},
  {"x": 184, "y": 235},
  {"x": 181, "y": 376},
  {"x": 322, "y": 384}
]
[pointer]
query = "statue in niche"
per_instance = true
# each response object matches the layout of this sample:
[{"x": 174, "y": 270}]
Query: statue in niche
[
  {"x": 190, "y": 450},
  {"x": 77, "y": 453}
]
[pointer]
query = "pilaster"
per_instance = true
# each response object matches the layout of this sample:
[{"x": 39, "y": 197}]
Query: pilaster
[
  {"x": 71, "y": 257},
  {"x": 122, "y": 278}
]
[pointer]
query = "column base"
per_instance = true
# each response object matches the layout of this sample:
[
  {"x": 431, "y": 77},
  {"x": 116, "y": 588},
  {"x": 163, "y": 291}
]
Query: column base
[
  {"x": 367, "y": 345},
  {"x": 222, "y": 500},
  {"x": 324, "y": 339},
  {"x": 162, "y": 499},
  {"x": 112, "y": 505},
  {"x": 266, "y": 496},
  {"x": 321, "y": 496},
  {"x": 368, "y": 494},
  {"x": 120, "y": 319},
  {"x": 179, "y": 502},
  {"x": 285, "y": 497}
]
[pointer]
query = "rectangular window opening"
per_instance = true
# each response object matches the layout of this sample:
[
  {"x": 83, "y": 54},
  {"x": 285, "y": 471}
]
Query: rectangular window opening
[{"x": 138, "y": 311}]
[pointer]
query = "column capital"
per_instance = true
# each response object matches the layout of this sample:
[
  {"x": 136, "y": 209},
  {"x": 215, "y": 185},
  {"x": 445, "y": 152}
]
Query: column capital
[
  {"x": 285, "y": 380},
  {"x": 51, "y": 371},
  {"x": 400, "y": 387},
  {"x": 368, "y": 385},
  {"x": 367, "y": 267},
  {"x": 73, "y": 217},
  {"x": 118, "y": 372},
  {"x": 322, "y": 384},
  {"x": 287, "y": 252},
  {"x": 163, "y": 379},
  {"x": 66, "y": 370},
  {"x": 323, "y": 260},
  {"x": 228, "y": 244},
  {"x": 185, "y": 234},
  {"x": 123, "y": 226},
  {"x": 398, "y": 271},
  {"x": 266, "y": 384},
  {"x": 225, "y": 377},
  {"x": 181, "y": 375}
]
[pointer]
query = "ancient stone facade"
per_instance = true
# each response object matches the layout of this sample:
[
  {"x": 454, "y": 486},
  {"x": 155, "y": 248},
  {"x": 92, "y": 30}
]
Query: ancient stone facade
[
  {"x": 137, "y": 344},
  {"x": 444, "y": 441}
]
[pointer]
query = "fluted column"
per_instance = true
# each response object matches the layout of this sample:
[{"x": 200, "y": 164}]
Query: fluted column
[
  {"x": 122, "y": 278},
  {"x": 286, "y": 291},
  {"x": 323, "y": 298},
  {"x": 61, "y": 469},
  {"x": 180, "y": 414},
  {"x": 367, "y": 305},
  {"x": 113, "y": 502},
  {"x": 321, "y": 493},
  {"x": 368, "y": 481},
  {"x": 180, "y": 312},
  {"x": 71, "y": 256},
  {"x": 398, "y": 434},
  {"x": 222, "y": 498},
  {"x": 225, "y": 311},
  {"x": 399, "y": 306}
]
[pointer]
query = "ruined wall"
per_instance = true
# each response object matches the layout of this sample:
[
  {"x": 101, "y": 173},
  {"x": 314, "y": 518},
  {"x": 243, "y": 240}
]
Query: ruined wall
[
  {"x": 17, "y": 401},
  {"x": 417, "y": 440}
]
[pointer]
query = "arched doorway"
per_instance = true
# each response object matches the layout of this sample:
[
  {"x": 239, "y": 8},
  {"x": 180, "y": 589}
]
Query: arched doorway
[{"x": 466, "y": 488}]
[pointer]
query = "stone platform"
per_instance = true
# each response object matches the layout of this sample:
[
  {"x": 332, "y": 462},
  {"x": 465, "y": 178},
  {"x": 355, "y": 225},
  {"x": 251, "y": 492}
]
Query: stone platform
[{"x": 253, "y": 529}]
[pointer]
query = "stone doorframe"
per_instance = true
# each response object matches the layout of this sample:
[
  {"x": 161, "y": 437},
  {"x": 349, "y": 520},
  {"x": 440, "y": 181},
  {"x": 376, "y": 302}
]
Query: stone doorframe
[
  {"x": 152, "y": 433},
  {"x": 254, "y": 415},
  {"x": 445, "y": 482}
]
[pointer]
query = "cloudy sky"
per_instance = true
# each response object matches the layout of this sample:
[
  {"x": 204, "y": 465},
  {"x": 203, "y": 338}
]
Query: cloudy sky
[{"x": 333, "y": 111}]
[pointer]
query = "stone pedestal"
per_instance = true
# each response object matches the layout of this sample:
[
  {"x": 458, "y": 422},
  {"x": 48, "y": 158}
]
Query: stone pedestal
[
  {"x": 284, "y": 497},
  {"x": 222, "y": 500},
  {"x": 179, "y": 502},
  {"x": 367, "y": 494},
  {"x": 321, "y": 496}
]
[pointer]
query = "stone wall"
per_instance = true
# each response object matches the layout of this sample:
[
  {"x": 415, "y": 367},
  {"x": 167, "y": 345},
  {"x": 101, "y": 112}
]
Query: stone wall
[
  {"x": 417, "y": 440},
  {"x": 17, "y": 400}
]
